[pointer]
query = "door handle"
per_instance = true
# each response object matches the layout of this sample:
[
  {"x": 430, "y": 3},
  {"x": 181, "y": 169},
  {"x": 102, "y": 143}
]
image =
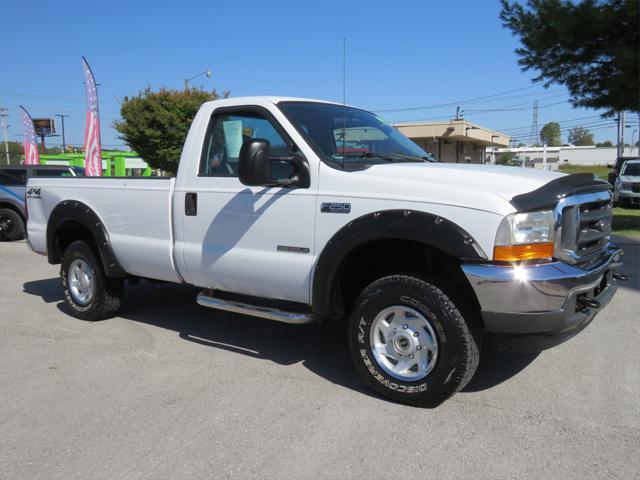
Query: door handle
[{"x": 191, "y": 204}]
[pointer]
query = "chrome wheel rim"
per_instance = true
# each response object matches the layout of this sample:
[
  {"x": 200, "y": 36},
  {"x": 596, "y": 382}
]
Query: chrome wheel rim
[
  {"x": 404, "y": 343},
  {"x": 81, "y": 281}
]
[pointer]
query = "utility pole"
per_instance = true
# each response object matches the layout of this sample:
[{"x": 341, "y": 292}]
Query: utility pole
[
  {"x": 618, "y": 135},
  {"x": 64, "y": 144},
  {"x": 533, "y": 137},
  {"x": 459, "y": 113},
  {"x": 5, "y": 126},
  {"x": 621, "y": 127}
]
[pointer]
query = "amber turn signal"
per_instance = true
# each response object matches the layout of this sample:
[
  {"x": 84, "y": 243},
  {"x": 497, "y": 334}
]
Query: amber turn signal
[{"x": 514, "y": 253}]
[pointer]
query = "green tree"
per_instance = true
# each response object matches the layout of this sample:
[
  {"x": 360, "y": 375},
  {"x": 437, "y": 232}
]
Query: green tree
[
  {"x": 505, "y": 158},
  {"x": 580, "y": 136},
  {"x": 16, "y": 152},
  {"x": 550, "y": 134},
  {"x": 606, "y": 143},
  {"x": 589, "y": 46},
  {"x": 155, "y": 124}
]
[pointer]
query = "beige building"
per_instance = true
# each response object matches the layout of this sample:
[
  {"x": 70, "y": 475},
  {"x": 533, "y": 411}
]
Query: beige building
[{"x": 454, "y": 141}]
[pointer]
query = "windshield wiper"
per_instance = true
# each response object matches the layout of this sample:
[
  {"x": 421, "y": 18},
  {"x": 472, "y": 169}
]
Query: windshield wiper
[{"x": 389, "y": 157}]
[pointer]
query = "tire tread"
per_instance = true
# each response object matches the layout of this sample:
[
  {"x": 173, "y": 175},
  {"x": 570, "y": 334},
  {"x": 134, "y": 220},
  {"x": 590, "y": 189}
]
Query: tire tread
[{"x": 469, "y": 334}]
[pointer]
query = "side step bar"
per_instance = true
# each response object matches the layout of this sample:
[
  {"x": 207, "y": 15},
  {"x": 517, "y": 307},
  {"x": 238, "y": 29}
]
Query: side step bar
[{"x": 254, "y": 310}]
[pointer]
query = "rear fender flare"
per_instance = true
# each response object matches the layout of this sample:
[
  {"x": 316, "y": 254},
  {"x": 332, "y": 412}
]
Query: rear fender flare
[{"x": 75, "y": 211}]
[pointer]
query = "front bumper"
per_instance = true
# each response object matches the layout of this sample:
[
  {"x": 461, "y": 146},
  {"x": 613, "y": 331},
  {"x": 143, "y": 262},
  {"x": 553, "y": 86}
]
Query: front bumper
[
  {"x": 534, "y": 307},
  {"x": 627, "y": 196}
]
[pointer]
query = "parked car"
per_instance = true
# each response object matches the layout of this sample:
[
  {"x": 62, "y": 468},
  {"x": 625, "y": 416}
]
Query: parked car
[
  {"x": 13, "y": 180},
  {"x": 418, "y": 257},
  {"x": 617, "y": 168},
  {"x": 626, "y": 189}
]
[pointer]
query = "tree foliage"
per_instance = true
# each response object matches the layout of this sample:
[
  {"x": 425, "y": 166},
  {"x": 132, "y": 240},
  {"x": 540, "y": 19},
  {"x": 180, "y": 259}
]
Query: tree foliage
[
  {"x": 155, "y": 124},
  {"x": 606, "y": 143},
  {"x": 16, "y": 151},
  {"x": 580, "y": 136},
  {"x": 550, "y": 134},
  {"x": 590, "y": 46},
  {"x": 505, "y": 158}
]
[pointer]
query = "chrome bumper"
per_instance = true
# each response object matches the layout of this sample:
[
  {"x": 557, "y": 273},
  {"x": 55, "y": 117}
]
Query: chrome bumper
[{"x": 532, "y": 307}]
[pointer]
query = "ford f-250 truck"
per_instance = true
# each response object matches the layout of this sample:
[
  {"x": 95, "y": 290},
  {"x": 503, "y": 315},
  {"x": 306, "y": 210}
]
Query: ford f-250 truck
[{"x": 273, "y": 216}]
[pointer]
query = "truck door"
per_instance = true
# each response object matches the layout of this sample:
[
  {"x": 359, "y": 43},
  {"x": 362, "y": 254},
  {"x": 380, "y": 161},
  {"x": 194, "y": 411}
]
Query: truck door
[{"x": 251, "y": 240}]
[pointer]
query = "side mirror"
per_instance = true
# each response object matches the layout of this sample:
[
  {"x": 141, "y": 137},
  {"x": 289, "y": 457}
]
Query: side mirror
[{"x": 255, "y": 162}]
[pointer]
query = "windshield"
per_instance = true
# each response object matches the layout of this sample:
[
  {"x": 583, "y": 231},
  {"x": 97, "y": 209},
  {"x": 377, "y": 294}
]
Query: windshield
[
  {"x": 346, "y": 136},
  {"x": 631, "y": 169}
]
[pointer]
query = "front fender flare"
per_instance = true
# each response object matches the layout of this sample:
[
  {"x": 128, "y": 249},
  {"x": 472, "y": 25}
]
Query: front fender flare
[{"x": 422, "y": 227}]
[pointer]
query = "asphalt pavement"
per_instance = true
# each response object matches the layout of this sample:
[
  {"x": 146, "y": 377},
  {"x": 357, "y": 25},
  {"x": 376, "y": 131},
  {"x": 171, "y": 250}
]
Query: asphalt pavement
[{"x": 173, "y": 390}]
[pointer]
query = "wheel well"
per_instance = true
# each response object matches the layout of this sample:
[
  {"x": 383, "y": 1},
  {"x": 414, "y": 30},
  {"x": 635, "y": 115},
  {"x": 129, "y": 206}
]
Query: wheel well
[
  {"x": 11, "y": 206},
  {"x": 380, "y": 258},
  {"x": 67, "y": 233}
]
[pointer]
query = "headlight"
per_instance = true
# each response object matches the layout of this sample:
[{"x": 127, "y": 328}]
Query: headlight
[
  {"x": 525, "y": 236},
  {"x": 625, "y": 186}
]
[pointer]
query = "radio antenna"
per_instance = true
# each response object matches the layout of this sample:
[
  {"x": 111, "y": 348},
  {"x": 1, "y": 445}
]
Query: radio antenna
[{"x": 344, "y": 98}]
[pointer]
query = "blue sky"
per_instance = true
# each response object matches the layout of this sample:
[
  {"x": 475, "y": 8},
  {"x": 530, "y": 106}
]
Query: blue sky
[{"x": 399, "y": 55}]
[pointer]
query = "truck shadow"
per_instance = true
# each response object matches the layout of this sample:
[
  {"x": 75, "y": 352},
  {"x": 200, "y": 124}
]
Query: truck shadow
[{"x": 322, "y": 348}]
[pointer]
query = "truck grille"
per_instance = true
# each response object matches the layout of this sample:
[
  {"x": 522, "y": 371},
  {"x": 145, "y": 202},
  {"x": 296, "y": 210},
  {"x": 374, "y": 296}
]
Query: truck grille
[
  {"x": 583, "y": 227},
  {"x": 635, "y": 187}
]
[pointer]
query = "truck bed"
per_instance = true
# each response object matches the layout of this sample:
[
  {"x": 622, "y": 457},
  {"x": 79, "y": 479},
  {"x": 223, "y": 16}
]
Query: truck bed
[{"x": 136, "y": 212}]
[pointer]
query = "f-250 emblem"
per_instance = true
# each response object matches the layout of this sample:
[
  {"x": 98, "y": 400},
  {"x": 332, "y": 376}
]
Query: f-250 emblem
[
  {"x": 335, "y": 208},
  {"x": 33, "y": 192}
]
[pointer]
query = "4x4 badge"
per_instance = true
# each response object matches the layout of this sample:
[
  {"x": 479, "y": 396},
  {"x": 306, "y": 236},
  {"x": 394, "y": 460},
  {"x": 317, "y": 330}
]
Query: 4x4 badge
[{"x": 33, "y": 192}]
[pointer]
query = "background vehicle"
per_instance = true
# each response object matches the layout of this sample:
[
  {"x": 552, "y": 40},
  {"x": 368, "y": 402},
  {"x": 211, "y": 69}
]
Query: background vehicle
[
  {"x": 13, "y": 181},
  {"x": 617, "y": 168},
  {"x": 272, "y": 219},
  {"x": 626, "y": 189}
]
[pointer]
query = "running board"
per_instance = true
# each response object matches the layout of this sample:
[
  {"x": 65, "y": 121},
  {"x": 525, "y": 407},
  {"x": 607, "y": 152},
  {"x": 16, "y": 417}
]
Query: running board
[{"x": 254, "y": 310}]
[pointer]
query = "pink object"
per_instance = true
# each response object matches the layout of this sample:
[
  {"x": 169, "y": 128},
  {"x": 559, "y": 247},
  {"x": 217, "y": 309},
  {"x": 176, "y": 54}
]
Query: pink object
[{"x": 92, "y": 147}]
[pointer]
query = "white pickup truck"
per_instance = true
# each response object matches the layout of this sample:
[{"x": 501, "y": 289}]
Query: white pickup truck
[{"x": 301, "y": 211}]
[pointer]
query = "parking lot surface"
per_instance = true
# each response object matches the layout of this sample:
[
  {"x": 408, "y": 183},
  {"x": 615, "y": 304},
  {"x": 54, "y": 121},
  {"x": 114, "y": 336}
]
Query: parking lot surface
[{"x": 173, "y": 390}]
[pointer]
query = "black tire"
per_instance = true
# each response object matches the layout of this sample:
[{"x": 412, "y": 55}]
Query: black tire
[
  {"x": 11, "y": 225},
  {"x": 107, "y": 293},
  {"x": 458, "y": 343}
]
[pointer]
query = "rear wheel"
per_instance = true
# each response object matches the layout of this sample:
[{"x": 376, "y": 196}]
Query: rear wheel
[
  {"x": 11, "y": 225},
  {"x": 88, "y": 291},
  {"x": 410, "y": 341}
]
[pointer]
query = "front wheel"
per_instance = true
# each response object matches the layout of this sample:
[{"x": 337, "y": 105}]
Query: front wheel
[
  {"x": 410, "y": 341},
  {"x": 90, "y": 294}
]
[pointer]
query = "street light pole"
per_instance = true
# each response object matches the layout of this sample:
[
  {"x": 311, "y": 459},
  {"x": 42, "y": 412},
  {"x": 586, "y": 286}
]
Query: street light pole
[
  {"x": 64, "y": 144},
  {"x": 5, "y": 126},
  {"x": 207, "y": 72}
]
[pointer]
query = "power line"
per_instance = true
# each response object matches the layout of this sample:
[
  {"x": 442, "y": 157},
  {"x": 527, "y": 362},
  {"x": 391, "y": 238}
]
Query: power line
[
  {"x": 503, "y": 108},
  {"x": 559, "y": 121},
  {"x": 513, "y": 109},
  {"x": 51, "y": 97},
  {"x": 590, "y": 130},
  {"x": 468, "y": 100}
]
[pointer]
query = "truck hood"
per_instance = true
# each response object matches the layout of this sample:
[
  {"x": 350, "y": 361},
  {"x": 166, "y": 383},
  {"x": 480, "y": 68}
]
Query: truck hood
[
  {"x": 629, "y": 178},
  {"x": 466, "y": 179}
]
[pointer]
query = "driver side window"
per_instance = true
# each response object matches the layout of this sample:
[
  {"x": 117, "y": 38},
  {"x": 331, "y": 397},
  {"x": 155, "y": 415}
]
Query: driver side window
[{"x": 225, "y": 136}]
